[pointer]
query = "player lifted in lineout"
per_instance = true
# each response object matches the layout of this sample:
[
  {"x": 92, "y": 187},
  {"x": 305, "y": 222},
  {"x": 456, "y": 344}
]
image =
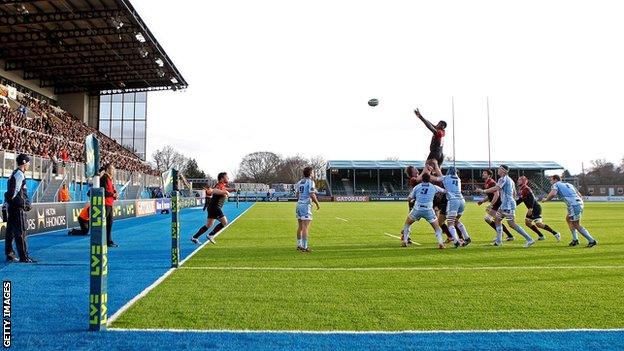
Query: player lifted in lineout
[
  {"x": 219, "y": 193},
  {"x": 306, "y": 194},
  {"x": 423, "y": 194},
  {"x": 437, "y": 140},
  {"x": 507, "y": 210},
  {"x": 533, "y": 218},
  {"x": 495, "y": 202},
  {"x": 568, "y": 193}
]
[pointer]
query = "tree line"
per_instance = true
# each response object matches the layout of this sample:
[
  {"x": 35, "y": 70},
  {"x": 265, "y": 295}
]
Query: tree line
[{"x": 257, "y": 167}]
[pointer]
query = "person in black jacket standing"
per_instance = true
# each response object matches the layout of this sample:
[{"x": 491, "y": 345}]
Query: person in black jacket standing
[
  {"x": 18, "y": 204},
  {"x": 110, "y": 195}
]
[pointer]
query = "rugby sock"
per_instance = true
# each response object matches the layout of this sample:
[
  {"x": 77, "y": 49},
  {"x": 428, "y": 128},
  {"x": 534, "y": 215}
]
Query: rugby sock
[
  {"x": 586, "y": 234},
  {"x": 549, "y": 229},
  {"x": 453, "y": 233},
  {"x": 406, "y": 232},
  {"x": 438, "y": 234},
  {"x": 304, "y": 243},
  {"x": 216, "y": 229},
  {"x": 446, "y": 230},
  {"x": 492, "y": 224},
  {"x": 299, "y": 243},
  {"x": 499, "y": 234},
  {"x": 507, "y": 231},
  {"x": 574, "y": 234},
  {"x": 459, "y": 233},
  {"x": 536, "y": 229},
  {"x": 522, "y": 232},
  {"x": 201, "y": 231},
  {"x": 462, "y": 230}
]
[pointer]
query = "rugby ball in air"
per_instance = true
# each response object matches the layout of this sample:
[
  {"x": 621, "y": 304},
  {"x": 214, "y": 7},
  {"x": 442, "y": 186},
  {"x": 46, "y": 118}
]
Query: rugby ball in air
[{"x": 373, "y": 102}]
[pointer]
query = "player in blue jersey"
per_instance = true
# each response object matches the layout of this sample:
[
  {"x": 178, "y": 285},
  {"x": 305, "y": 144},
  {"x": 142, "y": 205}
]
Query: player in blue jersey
[
  {"x": 455, "y": 206},
  {"x": 507, "y": 209},
  {"x": 423, "y": 193},
  {"x": 306, "y": 194},
  {"x": 568, "y": 193}
]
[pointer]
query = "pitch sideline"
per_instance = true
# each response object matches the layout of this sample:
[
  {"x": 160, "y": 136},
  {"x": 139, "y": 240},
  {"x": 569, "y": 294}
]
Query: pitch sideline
[{"x": 145, "y": 291}]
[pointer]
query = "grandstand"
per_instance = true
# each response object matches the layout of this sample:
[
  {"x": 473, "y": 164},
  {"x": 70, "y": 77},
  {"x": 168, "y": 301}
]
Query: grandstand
[
  {"x": 57, "y": 61},
  {"x": 386, "y": 178}
]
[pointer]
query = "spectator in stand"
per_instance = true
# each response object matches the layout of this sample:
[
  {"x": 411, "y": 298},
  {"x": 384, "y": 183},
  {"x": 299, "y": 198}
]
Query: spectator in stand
[
  {"x": 64, "y": 194},
  {"x": 110, "y": 195}
]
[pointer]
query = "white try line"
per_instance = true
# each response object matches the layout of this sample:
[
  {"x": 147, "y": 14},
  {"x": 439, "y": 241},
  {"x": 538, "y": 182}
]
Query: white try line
[
  {"x": 364, "y": 332},
  {"x": 398, "y": 237},
  {"x": 145, "y": 291},
  {"x": 342, "y": 219},
  {"x": 364, "y": 269}
]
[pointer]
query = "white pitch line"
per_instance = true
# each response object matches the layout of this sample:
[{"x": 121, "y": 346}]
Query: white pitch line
[
  {"x": 363, "y": 332},
  {"x": 398, "y": 237},
  {"x": 323, "y": 269},
  {"x": 145, "y": 291},
  {"x": 342, "y": 219}
]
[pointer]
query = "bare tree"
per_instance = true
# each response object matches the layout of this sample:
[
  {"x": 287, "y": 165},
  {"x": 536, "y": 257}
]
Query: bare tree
[
  {"x": 290, "y": 170},
  {"x": 259, "y": 167},
  {"x": 319, "y": 165},
  {"x": 167, "y": 158}
]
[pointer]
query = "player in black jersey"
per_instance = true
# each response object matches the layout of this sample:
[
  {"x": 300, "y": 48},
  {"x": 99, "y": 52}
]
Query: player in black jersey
[
  {"x": 219, "y": 195},
  {"x": 533, "y": 218},
  {"x": 437, "y": 140}
]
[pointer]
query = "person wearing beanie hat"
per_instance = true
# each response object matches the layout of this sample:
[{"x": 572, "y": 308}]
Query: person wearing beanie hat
[
  {"x": 507, "y": 210},
  {"x": 18, "y": 204}
]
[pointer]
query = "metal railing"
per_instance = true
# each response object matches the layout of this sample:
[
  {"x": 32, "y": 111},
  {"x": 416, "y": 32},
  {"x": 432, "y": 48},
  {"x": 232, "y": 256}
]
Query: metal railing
[{"x": 43, "y": 185}]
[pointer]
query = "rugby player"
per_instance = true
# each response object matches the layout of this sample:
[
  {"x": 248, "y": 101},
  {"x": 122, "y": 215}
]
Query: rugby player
[
  {"x": 507, "y": 209},
  {"x": 455, "y": 206},
  {"x": 568, "y": 193},
  {"x": 219, "y": 193},
  {"x": 306, "y": 193},
  {"x": 423, "y": 193},
  {"x": 437, "y": 140},
  {"x": 533, "y": 218},
  {"x": 495, "y": 202}
]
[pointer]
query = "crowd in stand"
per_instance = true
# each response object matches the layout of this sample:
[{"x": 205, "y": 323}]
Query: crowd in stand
[{"x": 56, "y": 134}]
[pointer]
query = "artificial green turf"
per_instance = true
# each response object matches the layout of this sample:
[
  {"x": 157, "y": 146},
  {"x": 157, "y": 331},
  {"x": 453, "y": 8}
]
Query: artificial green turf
[{"x": 200, "y": 296}]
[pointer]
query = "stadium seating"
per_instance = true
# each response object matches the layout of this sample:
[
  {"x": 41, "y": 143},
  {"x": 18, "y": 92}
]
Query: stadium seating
[{"x": 53, "y": 133}]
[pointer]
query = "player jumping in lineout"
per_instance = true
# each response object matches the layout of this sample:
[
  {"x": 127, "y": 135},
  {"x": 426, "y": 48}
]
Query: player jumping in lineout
[
  {"x": 533, "y": 218},
  {"x": 220, "y": 193},
  {"x": 437, "y": 140},
  {"x": 306, "y": 194},
  {"x": 568, "y": 193}
]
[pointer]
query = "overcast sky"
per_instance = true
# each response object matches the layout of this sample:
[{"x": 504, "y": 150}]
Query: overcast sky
[{"x": 294, "y": 77}]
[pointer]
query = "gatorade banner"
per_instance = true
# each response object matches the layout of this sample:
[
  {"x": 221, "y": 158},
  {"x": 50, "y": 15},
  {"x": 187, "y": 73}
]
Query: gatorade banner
[{"x": 92, "y": 156}]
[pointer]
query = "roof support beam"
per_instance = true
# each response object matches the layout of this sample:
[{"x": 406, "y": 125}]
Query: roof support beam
[
  {"x": 36, "y": 51},
  {"x": 55, "y": 17},
  {"x": 58, "y": 35},
  {"x": 12, "y": 65}
]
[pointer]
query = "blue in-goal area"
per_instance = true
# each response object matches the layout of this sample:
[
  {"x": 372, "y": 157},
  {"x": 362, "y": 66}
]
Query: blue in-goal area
[{"x": 50, "y": 303}]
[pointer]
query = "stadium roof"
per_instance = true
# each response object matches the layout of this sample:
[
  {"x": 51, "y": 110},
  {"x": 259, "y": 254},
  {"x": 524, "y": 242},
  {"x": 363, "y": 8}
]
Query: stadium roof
[
  {"x": 386, "y": 164},
  {"x": 84, "y": 46}
]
